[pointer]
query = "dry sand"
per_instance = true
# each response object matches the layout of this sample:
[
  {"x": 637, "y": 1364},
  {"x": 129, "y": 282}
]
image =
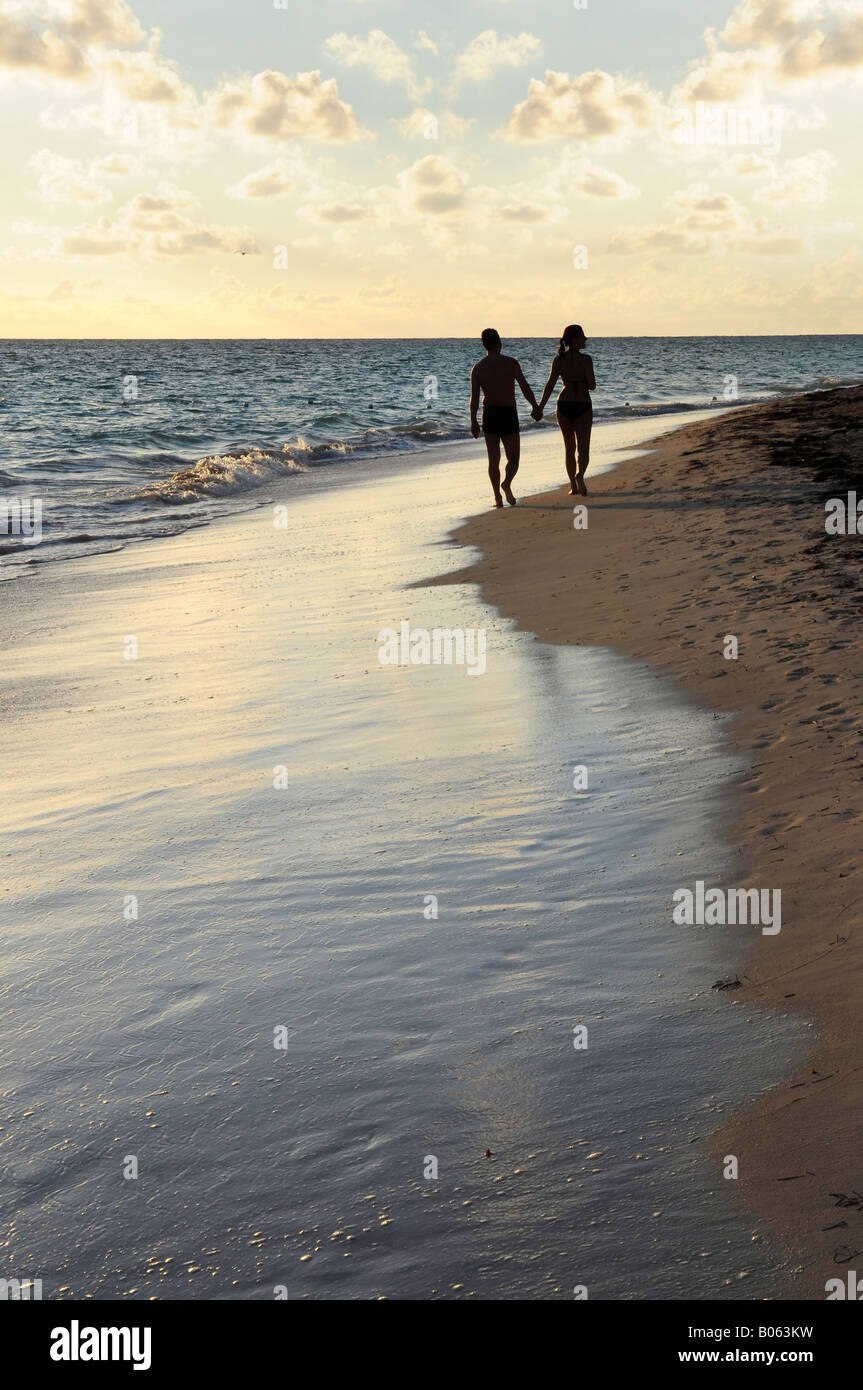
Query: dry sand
[{"x": 721, "y": 530}]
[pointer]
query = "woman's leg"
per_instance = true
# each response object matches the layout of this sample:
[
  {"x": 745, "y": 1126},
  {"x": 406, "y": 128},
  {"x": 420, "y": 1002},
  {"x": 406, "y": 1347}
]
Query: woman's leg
[
  {"x": 492, "y": 444},
  {"x": 583, "y": 427},
  {"x": 569, "y": 446}
]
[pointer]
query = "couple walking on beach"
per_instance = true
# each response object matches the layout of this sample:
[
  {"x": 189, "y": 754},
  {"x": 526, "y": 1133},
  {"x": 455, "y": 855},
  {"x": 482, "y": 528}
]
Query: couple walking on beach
[{"x": 496, "y": 376}]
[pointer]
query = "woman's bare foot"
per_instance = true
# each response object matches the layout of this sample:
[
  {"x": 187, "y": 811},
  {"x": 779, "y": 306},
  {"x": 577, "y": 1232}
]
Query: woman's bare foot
[
  {"x": 507, "y": 492},
  {"x": 497, "y": 500},
  {"x": 573, "y": 491},
  {"x": 582, "y": 486}
]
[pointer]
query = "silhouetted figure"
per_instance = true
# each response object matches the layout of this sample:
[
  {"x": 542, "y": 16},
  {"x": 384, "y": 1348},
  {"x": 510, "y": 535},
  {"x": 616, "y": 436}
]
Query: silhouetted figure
[
  {"x": 574, "y": 406},
  {"x": 496, "y": 375}
]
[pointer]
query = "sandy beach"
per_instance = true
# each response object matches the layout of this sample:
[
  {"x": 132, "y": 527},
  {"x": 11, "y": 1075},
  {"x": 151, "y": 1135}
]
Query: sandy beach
[{"x": 720, "y": 531}]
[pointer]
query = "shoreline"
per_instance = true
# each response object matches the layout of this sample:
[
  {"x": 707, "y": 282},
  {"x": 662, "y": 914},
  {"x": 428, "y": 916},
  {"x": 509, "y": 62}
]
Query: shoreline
[
  {"x": 717, "y": 531},
  {"x": 210, "y": 505}
]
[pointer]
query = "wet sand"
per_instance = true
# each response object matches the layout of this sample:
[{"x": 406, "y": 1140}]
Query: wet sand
[
  {"x": 718, "y": 531},
  {"x": 170, "y": 908}
]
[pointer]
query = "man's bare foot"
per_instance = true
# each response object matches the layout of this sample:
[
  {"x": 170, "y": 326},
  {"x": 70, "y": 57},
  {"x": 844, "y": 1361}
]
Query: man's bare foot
[
  {"x": 582, "y": 486},
  {"x": 507, "y": 492},
  {"x": 573, "y": 491},
  {"x": 497, "y": 500}
]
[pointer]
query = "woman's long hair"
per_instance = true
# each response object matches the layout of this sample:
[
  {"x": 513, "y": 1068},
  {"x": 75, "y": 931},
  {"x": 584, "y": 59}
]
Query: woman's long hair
[{"x": 573, "y": 331}]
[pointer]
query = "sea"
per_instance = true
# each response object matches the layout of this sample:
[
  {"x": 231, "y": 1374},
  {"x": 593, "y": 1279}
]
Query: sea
[{"x": 125, "y": 440}]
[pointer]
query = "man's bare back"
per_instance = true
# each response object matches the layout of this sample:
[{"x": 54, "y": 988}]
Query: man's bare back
[{"x": 496, "y": 376}]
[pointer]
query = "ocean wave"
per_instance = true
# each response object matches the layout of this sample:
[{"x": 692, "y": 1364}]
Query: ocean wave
[
  {"x": 246, "y": 468},
  {"x": 219, "y": 475}
]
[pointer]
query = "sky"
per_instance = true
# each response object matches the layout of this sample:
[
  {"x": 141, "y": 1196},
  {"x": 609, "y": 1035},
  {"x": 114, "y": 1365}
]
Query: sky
[{"x": 378, "y": 168}]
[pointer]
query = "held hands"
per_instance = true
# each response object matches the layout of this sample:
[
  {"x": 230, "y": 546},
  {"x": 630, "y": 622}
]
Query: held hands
[{"x": 536, "y": 413}]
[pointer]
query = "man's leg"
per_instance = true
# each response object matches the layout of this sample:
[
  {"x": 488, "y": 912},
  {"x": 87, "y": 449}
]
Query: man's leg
[
  {"x": 492, "y": 444},
  {"x": 512, "y": 449}
]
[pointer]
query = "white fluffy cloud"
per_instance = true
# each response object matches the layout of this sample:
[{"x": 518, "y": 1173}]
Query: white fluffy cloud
[
  {"x": 339, "y": 214},
  {"x": 63, "y": 180},
  {"x": 272, "y": 106},
  {"x": 591, "y": 106},
  {"x": 154, "y": 226},
  {"x": 63, "y": 38},
  {"x": 107, "y": 23},
  {"x": 380, "y": 54},
  {"x": 800, "y": 180},
  {"x": 705, "y": 222},
  {"x": 777, "y": 41},
  {"x": 143, "y": 76},
  {"x": 274, "y": 180},
  {"x": 490, "y": 50},
  {"x": 433, "y": 187},
  {"x": 43, "y": 52},
  {"x": 595, "y": 182},
  {"x": 524, "y": 214}
]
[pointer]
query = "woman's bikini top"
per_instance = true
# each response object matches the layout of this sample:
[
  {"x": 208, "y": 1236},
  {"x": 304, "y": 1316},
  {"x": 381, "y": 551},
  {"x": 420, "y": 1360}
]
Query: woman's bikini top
[{"x": 573, "y": 381}]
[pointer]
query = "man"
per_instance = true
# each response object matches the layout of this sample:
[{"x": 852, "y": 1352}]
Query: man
[{"x": 496, "y": 375}]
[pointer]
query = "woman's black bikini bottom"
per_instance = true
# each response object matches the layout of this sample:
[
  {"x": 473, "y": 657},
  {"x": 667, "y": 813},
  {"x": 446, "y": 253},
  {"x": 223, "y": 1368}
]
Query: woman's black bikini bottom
[{"x": 573, "y": 410}]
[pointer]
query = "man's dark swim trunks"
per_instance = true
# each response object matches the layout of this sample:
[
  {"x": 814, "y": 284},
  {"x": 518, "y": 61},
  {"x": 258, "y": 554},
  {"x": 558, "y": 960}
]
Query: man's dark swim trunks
[{"x": 499, "y": 419}]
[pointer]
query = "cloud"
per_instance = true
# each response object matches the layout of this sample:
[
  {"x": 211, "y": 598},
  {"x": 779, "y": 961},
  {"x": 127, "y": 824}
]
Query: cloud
[
  {"x": 425, "y": 44},
  {"x": 703, "y": 219},
  {"x": 761, "y": 22},
  {"x": 63, "y": 180},
  {"x": 777, "y": 41},
  {"x": 433, "y": 186},
  {"x": 523, "y": 213},
  {"x": 274, "y": 180},
  {"x": 153, "y": 226},
  {"x": 116, "y": 165},
  {"x": 490, "y": 50},
  {"x": 47, "y": 53},
  {"x": 592, "y": 106},
  {"x": 101, "y": 22},
  {"x": 821, "y": 51},
  {"x": 62, "y": 38},
  {"x": 272, "y": 106},
  {"x": 766, "y": 241},
  {"x": 801, "y": 180},
  {"x": 595, "y": 182},
  {"x": 339, "y": 214},
  {"x": 380, "y": 54},
  {"x": 707, "y": 222},
  {"x": 746, "y": 165},
  {"x": 719, "y": 77},
  {"x": 145, "y": 77}
]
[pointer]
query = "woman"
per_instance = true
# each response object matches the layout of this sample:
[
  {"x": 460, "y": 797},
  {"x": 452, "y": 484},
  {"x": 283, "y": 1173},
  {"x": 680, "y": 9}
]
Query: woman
[{"x": 574, "y": 406}]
